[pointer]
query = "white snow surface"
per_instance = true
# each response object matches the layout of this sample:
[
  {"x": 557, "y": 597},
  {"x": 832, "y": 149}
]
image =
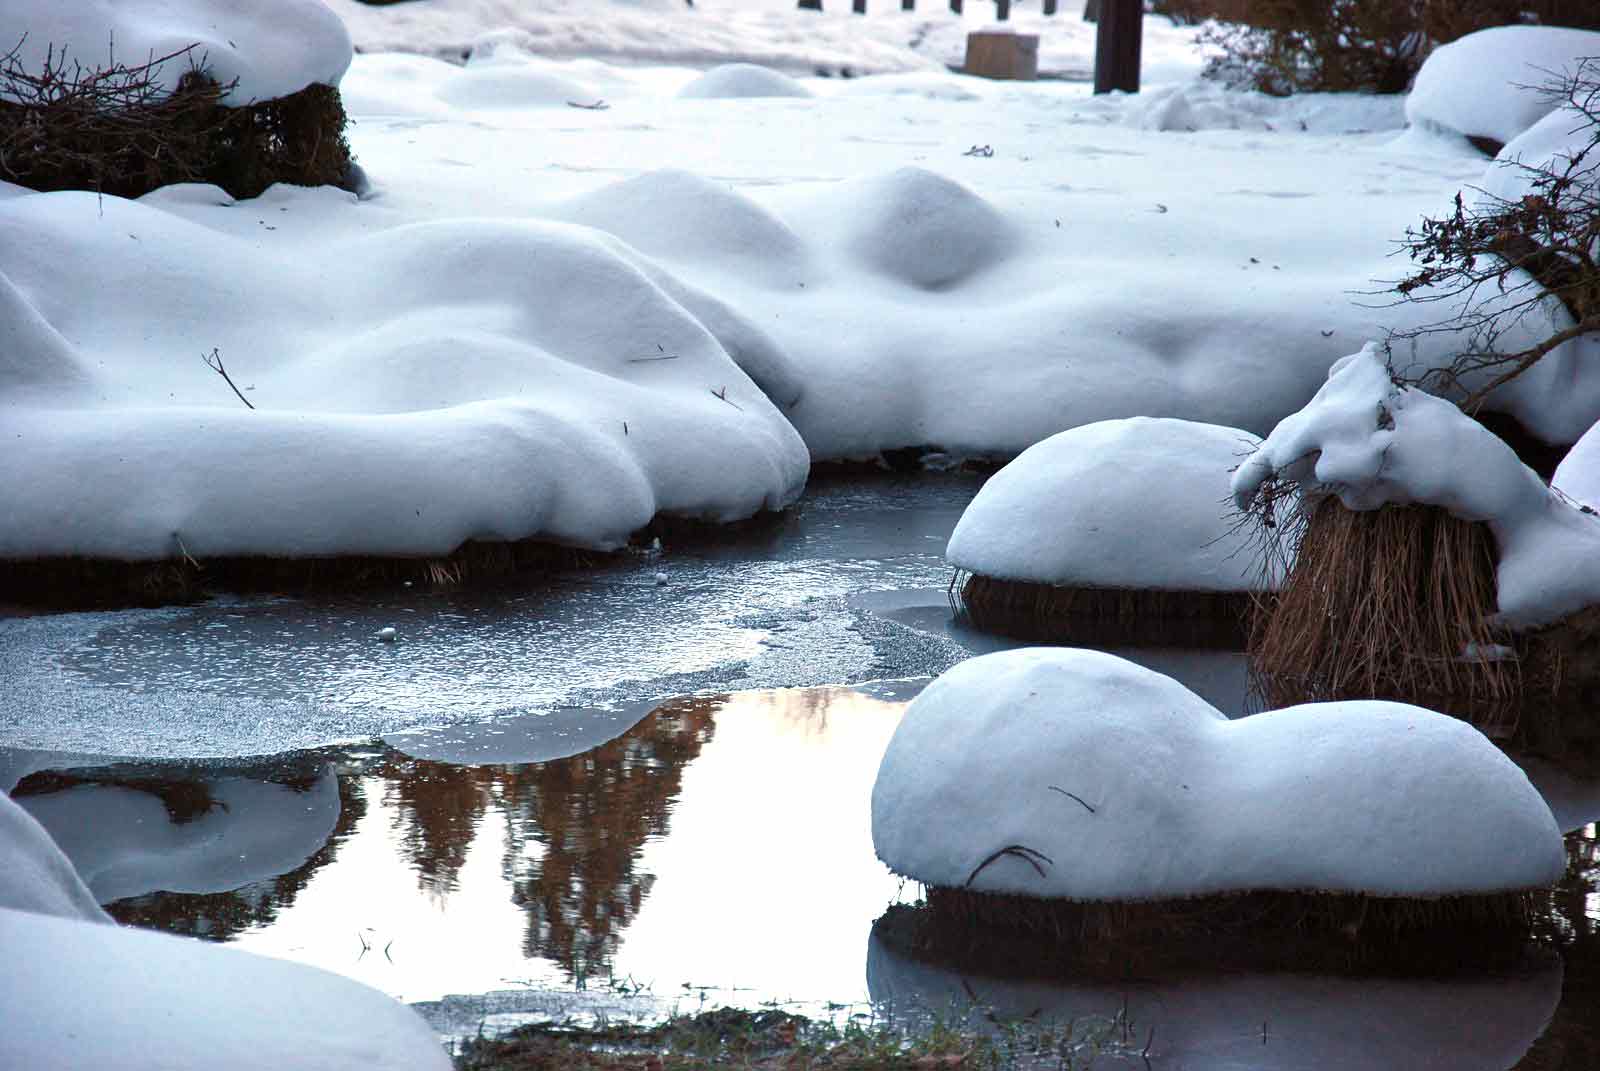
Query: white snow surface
[
  {"x": 35, "y": 876},
  {"x": 743, "y": 80},
  {"x": 270, "y": 48},
  {"x": 123, "y": 843},
  {"x": 1374, "y": 443},
  {"x": 1489, "y": 84},
  {"x": 1136, "y": 503},
  {"x": 81, "y": 995},
  {"x": 1174, "y": 800},
  {"x": 772, "y": 33},
  {"x": 417, "y": 387}
]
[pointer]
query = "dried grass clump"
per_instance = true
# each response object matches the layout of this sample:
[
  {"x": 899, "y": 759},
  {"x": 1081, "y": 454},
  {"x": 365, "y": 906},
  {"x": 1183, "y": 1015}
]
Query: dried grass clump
[
  {"x": 1033, "y": 611},
  {"x": 1383, "y": 603},
  {"x": 116, "y": 130},
  {"x": 71, "y": 583}
]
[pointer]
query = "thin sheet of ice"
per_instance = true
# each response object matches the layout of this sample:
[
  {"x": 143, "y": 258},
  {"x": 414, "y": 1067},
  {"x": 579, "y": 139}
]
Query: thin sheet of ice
[{"x": 1129, "y": 787}]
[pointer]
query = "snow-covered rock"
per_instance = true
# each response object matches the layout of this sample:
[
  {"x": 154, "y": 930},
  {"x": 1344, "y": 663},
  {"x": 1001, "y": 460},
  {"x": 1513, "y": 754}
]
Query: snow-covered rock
[
  {"x": 123, "y": 843},
  {"x": 83, "y": 995},
  {"x": 1489, "y": 84},
  {"x": 417, "y": 387},
  {"x": 743, "y": 80},
  {"x": 1374, "y": 443},
  {"x": 1136, "y": 503},
  {"x": 35, "y": 876},
  {"x": 271, "y": 48},
  {"x": 1551, "y": 145},
  {"x": 1129, "y": 787}
]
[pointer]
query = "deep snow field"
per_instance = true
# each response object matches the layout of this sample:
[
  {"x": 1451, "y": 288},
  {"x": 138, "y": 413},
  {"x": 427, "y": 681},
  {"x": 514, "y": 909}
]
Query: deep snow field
[{"x": 599, "y": 269}]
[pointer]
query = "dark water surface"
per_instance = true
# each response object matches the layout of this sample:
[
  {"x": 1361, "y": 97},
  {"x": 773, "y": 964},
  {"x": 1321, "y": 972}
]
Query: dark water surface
[{"x": 501, "y": 818}]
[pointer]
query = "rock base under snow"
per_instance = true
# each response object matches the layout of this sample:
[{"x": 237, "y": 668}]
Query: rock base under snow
[
  {"x": 82, "y": 583},
  {"x": 1098, "y": 617}
]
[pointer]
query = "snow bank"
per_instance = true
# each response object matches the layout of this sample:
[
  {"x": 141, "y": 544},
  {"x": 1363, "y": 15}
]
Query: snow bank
[
  {"x": 1488, "y": 84},
  {"x": 743, "y": 80},
  {"x": 123, "y": 843},
  {"x": 34, "y": 874},
  {"x": 419, "y": 386},
  {"x": 1551, "y": 144},
  {"x": 1212, "y": 1021},
  {"x": 1373, "y": 443},
  {"x": 1134, "y": 788},
  {"x": 271, "y": 47},
  {"x": 82, "y": 995},
  {"x": 1136, "y": 503}
]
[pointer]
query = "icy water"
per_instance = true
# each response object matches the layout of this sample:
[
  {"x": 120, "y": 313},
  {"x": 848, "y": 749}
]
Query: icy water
[{"x": 606, "y": 794}]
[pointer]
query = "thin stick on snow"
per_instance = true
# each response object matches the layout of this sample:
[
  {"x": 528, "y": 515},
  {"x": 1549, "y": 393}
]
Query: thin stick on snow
[{"x": 213, "y": 361}]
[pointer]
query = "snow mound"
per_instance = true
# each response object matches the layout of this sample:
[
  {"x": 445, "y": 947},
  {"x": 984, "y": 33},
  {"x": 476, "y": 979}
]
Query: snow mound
[
  {"x": 922, "y": 84},
  {"x": 743, "y": 80},
  {"x": 684, "y": 215},
  {"x": 1192, "y": 106},
  {"x": 1136, "y": 503},
  {"x": 123, "y": 842},
  {"x": 1578, "y": 475},
  {"x": 1374, "y": 443},
  {"x": 477, "y": 379},
  {"x": 921, "y": 228},
  {"x": 81, "y": 995},
  {"x": 1132, "y": 788},
  {"x": 272, "y": 48},
  {"x": 1552, "y": 144},
  {"x": 1487, "y": 84},
  {"x": 34, "y": 874},
  {"x": 509, "y": 85}
]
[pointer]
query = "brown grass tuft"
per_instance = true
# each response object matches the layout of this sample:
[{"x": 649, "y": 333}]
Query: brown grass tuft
[
  {"x": 1382, "y": 604},
  {"x": 1033, "y": 611}
]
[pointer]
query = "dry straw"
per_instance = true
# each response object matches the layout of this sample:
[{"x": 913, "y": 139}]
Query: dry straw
[
  {"x": 1391, "y": 603},
  {"x": 1034, "y": 611}
]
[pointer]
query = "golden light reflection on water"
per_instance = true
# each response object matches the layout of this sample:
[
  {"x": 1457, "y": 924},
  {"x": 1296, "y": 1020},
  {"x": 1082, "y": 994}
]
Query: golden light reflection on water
[{"x": 722, "y": 841}]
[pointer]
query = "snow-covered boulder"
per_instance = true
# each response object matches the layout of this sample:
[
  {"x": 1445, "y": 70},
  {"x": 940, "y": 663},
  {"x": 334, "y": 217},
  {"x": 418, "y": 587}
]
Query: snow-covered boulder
[
  {"x": 414, "y": 388},
  {"x": 1122, "y": 785},
  {"x": 1136, "y": 503},
  {"x": 1550, "y": 145},
  {"x": 1374, "y": 443},
  {"x": 271, "y": 48},
  {"x": 1488, "y": 84},
  {"x": 83, "y": 995},
  {"x": 743, "y": 80},
  {"x": 34, "y": 875},
  {"x": 123, "y": 843}
]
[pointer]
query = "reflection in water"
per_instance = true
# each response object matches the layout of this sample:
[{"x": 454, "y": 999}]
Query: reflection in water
[{"x": 720, "y": 842}]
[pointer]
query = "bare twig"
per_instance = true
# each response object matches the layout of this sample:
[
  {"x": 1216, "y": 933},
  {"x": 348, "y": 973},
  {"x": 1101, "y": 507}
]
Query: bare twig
[
  {"x": 213, "y": 361},
  {"x": 597, "y": 106},
  {"x": 1074, "y": 795},
  {"x": 1020, "y": 851}
]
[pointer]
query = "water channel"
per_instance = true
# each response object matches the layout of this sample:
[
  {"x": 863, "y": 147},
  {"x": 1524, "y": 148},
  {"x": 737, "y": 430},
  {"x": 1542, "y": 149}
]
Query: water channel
[{"x": 640, "y": 789}]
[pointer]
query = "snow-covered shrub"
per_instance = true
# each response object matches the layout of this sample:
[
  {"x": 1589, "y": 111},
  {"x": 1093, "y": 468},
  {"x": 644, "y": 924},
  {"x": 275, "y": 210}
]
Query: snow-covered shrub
[
  {"x": 123, "y": 100},
  {"x": 1287, "y": 46},
  {"x": 1517, "y": 267}
]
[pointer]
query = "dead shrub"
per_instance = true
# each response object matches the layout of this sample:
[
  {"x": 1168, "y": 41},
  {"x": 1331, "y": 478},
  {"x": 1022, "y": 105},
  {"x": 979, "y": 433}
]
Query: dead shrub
[
  {"x": 1101, "y": 616},
  {"x": 117, "y": 130},
  {"x": 1392, "y": 603}
]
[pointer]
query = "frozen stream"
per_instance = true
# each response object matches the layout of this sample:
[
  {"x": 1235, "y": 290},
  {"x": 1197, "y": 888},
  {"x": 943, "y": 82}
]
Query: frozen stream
[{"x": 606, "y": 794}]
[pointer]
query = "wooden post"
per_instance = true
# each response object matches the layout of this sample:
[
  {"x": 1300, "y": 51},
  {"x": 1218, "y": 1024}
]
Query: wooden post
[
  {"x": 1091, "y": 10},
  {"x": 955, "y": 6},
  {"x": 858, "y": 6},
  {"x": 1002, "y": 10},
  {"x": 908, "y": 5},
  {"x": 1116, "y": 46},
  {"x": 810, "y": 5},
  {"x": 1049, "y": 7}
]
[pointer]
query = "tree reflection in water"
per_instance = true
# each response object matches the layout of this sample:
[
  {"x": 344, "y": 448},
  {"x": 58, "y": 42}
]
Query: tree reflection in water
[{"x": 575, "y": 828}]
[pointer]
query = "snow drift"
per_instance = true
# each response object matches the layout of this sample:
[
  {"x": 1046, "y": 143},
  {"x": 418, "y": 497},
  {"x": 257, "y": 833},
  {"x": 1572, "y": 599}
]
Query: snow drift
[{"x": 1139, "y": 790}]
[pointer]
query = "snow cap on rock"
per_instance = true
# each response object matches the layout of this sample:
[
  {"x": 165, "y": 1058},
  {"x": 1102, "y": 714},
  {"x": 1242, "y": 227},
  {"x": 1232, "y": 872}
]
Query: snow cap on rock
[
  {"x": 34, "y": 874},
  {"x": 1488, "y": 84},
  {"x": 1129, "y": 787}
]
